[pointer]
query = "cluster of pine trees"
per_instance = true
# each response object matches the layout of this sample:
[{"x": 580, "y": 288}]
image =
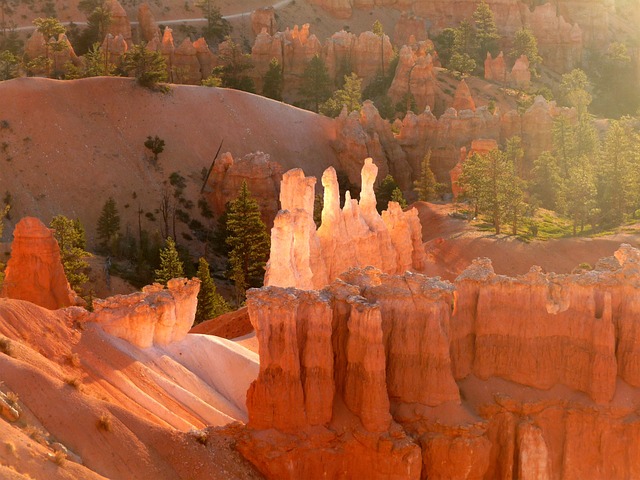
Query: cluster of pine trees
[{"x": 592, "y": 181}]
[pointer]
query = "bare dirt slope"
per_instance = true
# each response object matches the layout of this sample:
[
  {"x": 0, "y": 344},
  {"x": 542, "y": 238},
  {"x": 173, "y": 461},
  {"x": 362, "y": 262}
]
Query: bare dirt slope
[
  {"x": 121, "y": 412},
  {"x": 451, "y": 245},
  {"x": 69, "y": 145}
]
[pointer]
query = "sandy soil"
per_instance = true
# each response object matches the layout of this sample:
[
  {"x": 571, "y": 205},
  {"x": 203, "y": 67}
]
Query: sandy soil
[
  {"x": 122, "y": 411},
  {"x": 72, "y": 144},
  {"x": 451, "y": 245}
]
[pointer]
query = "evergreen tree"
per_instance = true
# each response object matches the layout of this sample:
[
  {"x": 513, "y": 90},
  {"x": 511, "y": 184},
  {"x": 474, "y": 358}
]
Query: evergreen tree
[
  {"x": 49, "y": 27},
  {"x": 273, "y": 81},
  {"x": 445, "y": 42},
  {"x": 384, "y": 192},
  {"x": 491, "y": 182},
  {"x": 316, "y": 83},
  {"x": 425, "y": 186},
  {"x": 170, "y": 264},
  {"x": 547, "y": 182},
  {"x": 525, "y": 43},
  {"x": 149, "y": 68},
  {"x": 210, "y": 302},
  {"x": 486, "y": 31},
  {"x": 378, "y": 30},
  {"x": 574, "y": 90},
  {"x": 235, "y": 64},
  {"x": 398, "y": 197},
  {"x": 156, "y": 145},
  {"x": 580, "y": 193},
  {"x": 350, "y": 96},
  {"x": 72, "y": 242},
  {"x": 615, "y": 175},
  {"x": 8, "y": 65},
  {"x": 109, "y": 226},
  {"x": 248, "y": 240},
  {"x": 217, "y": 26},
  {"x": 97, "y": 63}
]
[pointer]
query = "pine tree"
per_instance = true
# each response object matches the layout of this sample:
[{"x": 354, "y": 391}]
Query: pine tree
[
  {"x": 108, "y": 226},
  {"x": 210, "y": 302},
  {"x": 349, "y": 96},
  {"x": 486, "y": 31},
  {"x": 149, "y": 68},
  {"x": 273, "y": 81},
  {"x": 71, "y": 240},
  {"x": 398, "y": 197},
  {"x": 384, "y": 192},
  {"x": 426, "y": 184},
  {"x": 235, "y": 64},
  {"x": 378, "y": 30},
  {"x": 546, "y": 182},
  {"x": 217, "y": 26},
  {"x": 525, "y": 43},
  {"x": 249, "y": 242},
  {"x": 170, "y": 264},
  {"x": 316, "y": 83}
]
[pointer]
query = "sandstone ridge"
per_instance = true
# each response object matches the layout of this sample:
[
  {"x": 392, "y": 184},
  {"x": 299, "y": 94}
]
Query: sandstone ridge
[{"x": 411, "y": 377}]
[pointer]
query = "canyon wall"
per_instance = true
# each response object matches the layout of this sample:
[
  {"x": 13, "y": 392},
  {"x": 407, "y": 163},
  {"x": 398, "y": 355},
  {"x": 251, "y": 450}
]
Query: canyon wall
[{"x": 489, "y": 378}]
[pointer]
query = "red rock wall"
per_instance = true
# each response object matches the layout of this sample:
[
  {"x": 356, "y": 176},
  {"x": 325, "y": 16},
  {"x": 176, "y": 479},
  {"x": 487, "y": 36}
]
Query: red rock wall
[{"x": 545, "y": 368}]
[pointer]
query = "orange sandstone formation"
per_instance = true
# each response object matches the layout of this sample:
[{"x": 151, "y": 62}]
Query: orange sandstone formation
[
  {"x": 481, "y": 147},
  {"x": 148, "y": 26},
  {"x": 119, "y": 24},
  {"x": 155, "y": 316},
  {"x": 462, "y": 99},
  {"x": 264, "y": 18},
  {"x": 262, "y": 175},
  {"x": 407, "y": 377},
  {"x": 355, "y": 235},
  {"x": 34, "y": 272},
  {"x": 495, "y": 69}
]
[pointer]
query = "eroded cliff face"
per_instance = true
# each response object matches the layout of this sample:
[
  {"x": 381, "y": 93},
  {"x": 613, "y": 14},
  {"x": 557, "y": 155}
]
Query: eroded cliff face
[
  {"x": 262, "y": 175},
  {"x": 355, "y": 235},
  {"x": 34, "y": 272},
  {"x": 333, "y": 363},
  {"x": 491, "y": 377}
]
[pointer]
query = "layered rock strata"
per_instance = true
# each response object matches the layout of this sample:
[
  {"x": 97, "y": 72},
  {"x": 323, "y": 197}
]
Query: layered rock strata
[
  {"x": 155, "y": 316},
  {"x": 489, "y": 378},
  {"x": 355, "y": 235},
  {"x": 34, "y": 272},
  {"x": 343, "y": 356}
]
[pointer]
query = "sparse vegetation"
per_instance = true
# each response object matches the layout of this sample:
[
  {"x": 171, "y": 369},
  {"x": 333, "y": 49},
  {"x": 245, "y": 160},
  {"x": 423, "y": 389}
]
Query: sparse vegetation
[
  {"x": 104, "y": 422},
  {"x": 74, "y": 382},
  {"x": 6, "y": 346}
]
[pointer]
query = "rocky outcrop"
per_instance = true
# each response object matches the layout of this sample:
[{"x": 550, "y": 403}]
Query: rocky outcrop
[
  {"x": 366, "y": 134},
  {"x": 147, "y": 23},
  {"x": 155, "y": 316},
  {"x": 262, "y": 175},
  {"x": 560, "y": 44},
  {"x": 186, "y": 67},
  {"x": 342, "y": 359},
  {"x": 409, "y": 29},
  {"x": 355, "y": 235},
  {"x": 293, "y": 49},
  {"x": 34, "y": 272},
  {"x": 495, "y": 69},
  {"x": 520, "y": 74},
  {"x": 119, "y": 24},
  {"x": 59, "y": 51},
  {"x": 462, "y": 99},
  {"x": 114, "y": 48},
  {"x": 493, "y": 377},
  {"x": 414, "y": 76},
  {"x": 264, "y": 19}
]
